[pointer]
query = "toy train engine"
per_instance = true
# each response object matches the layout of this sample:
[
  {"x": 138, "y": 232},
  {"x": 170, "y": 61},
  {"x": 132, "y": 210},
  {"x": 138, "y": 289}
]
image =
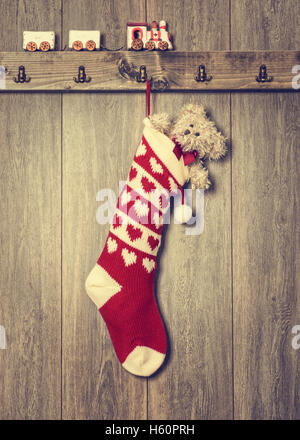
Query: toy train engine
[
  {"x": 138, "y": 36},
  {"x": 84, "y": 40},
  {"x": 159, "y": 38},
  {"x": 43, "y": 41}
]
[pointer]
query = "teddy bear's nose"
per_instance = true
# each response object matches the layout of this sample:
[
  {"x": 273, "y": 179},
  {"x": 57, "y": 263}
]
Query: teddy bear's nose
[
  {"x": 197, "y": 134},
  {"x": 187, "y": 132}
]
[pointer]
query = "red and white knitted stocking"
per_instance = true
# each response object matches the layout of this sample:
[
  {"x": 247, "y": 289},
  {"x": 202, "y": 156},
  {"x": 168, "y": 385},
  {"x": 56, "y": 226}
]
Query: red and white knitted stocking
[{"x": 121, "y": 283}]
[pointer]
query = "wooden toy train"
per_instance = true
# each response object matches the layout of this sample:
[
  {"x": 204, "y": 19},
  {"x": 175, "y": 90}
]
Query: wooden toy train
[
  {"x": 138, "y": 38},
  {"x": 45, "y": 41}
]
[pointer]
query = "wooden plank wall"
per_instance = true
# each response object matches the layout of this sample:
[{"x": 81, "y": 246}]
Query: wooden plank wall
[
  {"x": 97, "y": 153},
  {"x": 265, "y": 224},
  {"x": 30, "y": 233},
  {"x": 196, "y": 305},
  {"x": 228, "y": 303}
]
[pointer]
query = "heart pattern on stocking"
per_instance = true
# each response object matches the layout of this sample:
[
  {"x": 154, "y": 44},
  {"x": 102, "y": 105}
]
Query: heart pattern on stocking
[
  {"x": 128, "y": 257},
  {"x": 134, "y": 233},
  {"x": 147, "y": 185},
  {"x": 148, "y": 264},
  {"x": 153, "y": 242},
  {"x": 112, "y": 245},
  {"x": 132, "y": 174},
  {"x": 156, "y": 167},
  {"x": 126, "y": 197},
  {"x": 117, "y": 221},
  {"x": 141, "y": 151},
  {"x": 141, "y": 208}
]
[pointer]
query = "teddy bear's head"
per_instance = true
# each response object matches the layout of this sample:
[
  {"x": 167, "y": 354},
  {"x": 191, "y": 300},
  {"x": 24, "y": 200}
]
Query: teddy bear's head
[{"x": 194, "y": 131}]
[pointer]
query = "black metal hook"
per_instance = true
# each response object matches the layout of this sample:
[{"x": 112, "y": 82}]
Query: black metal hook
[
  {"x": 142, "y": 75},
  {"x": 202, "y": 75},
  {"x": 263, "y": 75},
  {"x": 22, "y": 77},
  {"x": 82, "y": 78}
]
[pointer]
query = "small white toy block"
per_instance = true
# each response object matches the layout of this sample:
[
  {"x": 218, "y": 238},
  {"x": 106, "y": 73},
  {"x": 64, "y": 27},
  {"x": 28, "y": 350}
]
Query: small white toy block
[
  {"x": 84, "y": 37},
  {"x": 37, "y": 38}
]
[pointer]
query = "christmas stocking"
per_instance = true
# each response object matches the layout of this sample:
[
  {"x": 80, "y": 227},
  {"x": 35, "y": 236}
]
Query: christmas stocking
[{"x": 121, "y": 283}]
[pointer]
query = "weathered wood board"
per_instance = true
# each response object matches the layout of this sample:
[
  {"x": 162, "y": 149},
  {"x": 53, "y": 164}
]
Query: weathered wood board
[
  {"x": 100, "y": 136},
  {"x": 230, "y": 296},
  {"x": 30, "y": 232},
  {"x": 117, "y": 71},
  {"x": 265, "y": 224},
  {"x": 194, "y": 281}
]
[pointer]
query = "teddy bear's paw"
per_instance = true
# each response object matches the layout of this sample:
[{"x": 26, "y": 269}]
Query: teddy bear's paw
[
  {"x": 207, "y": 184},
  {"x": 201, "y": 183},
  {"x": 218, "y": 148},
  {"x": 199, "y": 177}
]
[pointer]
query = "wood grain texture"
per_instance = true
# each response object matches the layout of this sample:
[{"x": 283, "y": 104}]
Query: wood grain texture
[
  {"x": 267, "y": 25},
  {"x": 265, "y": 215},
  {"x": 117, "y": 71},
  {"x": 194, "y": 282},
  {"x": 95, "y": 384},
  {"x": 30, "y": 281},
  {"x": 194, "y": 24},
  {"x": 28, "y": 15},
  {"x": 101, "y": 133},
  {"x": 30, "y": 257},
  {"x": 266, "y": 256},
  {"x": 255, "y": 222},
  {"x": 110, "y": 17}
]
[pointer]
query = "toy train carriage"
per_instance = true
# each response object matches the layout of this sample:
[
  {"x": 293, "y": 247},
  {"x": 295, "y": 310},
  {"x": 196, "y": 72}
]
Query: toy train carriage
[
  {"x": 138, "y": 36},
  {"x": 84, "y": 40},
  {"x": 43, "y": 41}
]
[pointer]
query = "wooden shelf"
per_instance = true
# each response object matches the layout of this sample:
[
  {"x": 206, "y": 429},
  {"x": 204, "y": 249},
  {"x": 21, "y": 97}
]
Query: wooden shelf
[{"x": 116, "y": 71}]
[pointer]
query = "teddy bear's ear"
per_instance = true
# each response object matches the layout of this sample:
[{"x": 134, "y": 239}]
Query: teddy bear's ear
[{"x": 192, "y": 109}]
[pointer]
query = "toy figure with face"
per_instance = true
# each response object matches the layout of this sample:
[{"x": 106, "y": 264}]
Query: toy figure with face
[{"x": 197, "y": 137}]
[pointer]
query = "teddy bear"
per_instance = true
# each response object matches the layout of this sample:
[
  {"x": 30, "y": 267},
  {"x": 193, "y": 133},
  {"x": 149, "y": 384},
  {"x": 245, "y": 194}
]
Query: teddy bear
[{"x": 196, "y": 136}]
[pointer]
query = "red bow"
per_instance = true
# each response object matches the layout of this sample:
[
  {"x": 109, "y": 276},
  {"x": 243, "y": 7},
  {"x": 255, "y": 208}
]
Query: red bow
[{"x": 188, "y": 157}]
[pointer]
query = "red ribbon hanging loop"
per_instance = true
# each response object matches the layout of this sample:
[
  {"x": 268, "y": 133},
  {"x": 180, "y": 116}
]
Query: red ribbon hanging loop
[{"x": 148, "y": 97}]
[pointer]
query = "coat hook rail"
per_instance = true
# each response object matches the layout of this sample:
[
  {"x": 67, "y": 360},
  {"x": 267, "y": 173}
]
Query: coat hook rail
[{"x": 169, "y": 70}]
